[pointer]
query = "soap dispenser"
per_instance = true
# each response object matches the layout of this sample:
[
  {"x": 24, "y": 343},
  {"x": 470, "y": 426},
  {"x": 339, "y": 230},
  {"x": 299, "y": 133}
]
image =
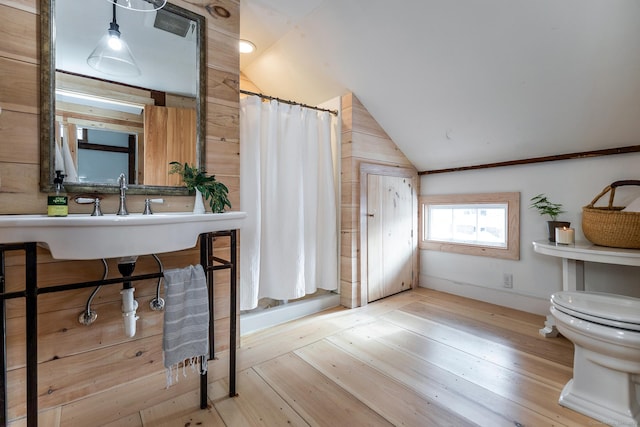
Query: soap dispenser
[{"x": 57, "y": 201}]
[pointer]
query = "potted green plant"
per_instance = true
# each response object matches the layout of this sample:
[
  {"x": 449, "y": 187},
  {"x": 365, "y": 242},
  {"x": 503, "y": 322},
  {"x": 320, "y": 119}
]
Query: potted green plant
[
  {"x": 204, "y": 185},
  {"x": 544, "y": 206}
]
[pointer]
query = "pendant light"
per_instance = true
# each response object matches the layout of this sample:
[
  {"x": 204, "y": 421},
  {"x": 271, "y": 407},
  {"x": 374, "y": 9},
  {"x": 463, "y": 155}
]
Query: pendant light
[
  {"x": 140, "y": 5},
  {"x": 112, "y": 55}
]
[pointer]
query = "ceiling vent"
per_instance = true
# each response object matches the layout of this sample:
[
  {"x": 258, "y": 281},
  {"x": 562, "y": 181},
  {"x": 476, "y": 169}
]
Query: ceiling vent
[{"x": 176, "y": 24}]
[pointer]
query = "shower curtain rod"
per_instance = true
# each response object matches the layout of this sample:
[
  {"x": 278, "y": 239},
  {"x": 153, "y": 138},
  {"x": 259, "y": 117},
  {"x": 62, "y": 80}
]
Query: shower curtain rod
[{"x": 272, "y": 98}]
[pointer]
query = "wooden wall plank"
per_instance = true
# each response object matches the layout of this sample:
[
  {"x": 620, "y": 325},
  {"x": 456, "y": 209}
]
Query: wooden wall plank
[
  {"x": 375, "y": 149},
  {"x": 18, "y": 31},
  {"x": 14, "y": 127},
  {"x": 223, "y": 122},
  {"x": 16, "y": 180},
  {"x": 25, "y": 5},
  {"x": 222, "y": 51},
  {"x": 103, "y": 88},
  {"x": 223, "y": 87},
  {"x": 18, "y": 86},
  {"x": 223, "y": 157}
]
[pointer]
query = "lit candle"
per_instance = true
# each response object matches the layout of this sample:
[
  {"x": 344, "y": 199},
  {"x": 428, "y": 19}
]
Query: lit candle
[{"x": 565, "y": 236}]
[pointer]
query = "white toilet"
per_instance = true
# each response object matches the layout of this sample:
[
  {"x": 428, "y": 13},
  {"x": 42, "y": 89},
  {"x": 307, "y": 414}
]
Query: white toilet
[{"x": 605, "y": 331}]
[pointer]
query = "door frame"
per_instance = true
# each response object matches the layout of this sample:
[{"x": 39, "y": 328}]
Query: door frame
[{"x": 376, "y": 169}]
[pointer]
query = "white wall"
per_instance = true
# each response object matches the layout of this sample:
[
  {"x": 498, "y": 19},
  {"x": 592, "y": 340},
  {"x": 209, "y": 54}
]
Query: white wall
[{"x": 574, "y": 183}]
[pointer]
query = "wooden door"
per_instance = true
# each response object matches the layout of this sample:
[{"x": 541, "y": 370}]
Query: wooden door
[
  {"x": 388, "y": 222},
  {"x": 170, "y": 135}
]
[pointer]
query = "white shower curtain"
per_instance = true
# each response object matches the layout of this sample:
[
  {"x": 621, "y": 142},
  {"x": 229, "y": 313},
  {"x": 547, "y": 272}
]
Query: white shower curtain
[
  {"x": 63, "y": 158},
  {"x": 288, "y": 245}
]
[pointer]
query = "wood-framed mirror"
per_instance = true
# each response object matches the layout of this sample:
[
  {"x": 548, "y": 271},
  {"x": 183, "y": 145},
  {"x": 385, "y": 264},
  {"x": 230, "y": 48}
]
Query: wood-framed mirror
[{"x": 95, "y": 124}]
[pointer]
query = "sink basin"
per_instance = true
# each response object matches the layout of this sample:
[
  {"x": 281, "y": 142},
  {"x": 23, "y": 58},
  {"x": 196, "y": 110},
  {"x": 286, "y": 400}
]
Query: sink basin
[{"x": 80, "y": 236}]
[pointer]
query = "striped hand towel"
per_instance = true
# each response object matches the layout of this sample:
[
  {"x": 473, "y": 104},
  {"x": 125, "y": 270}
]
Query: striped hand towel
[{"x": 186, "y": 320}]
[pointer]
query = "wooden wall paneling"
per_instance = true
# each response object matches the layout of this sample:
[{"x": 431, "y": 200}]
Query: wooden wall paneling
[
  {"x": 141, "y": 141},
  {"x": 350, "y": 215},
  {"x": 347, "y": 103},
  {"x": 363, "y": 122},
  {"x": 17, "y": 257},
  {"x": 103, "y": 88},
  {"x": 181, "y": 141},
  {"x": 223, "y": 157},
  {"x": 223, "y": 122},
  {"x": 223, "y": 87},
  {"x": 99, "y": 117},
  {"x": 377, "y": 149},
  {"x": 61, "y": 335},
  {"x": 30, "y": 6},
  {"x": 58, "y": 312},
  {"x": 349, "y": 283},
  {"x": 67, "y": 379},
  {"x": 73, "y": 366},
  {"x": 179, "y": 101},
  {"x": 349, "y": 294},
  {"x": 14, "y": 128},
  {"x": 16, "y": 386},
  {"x": 233, "y": 183},
  {"x": 18, "y": 31},
  {"x": 16, "y": 181},
  {"x": 19, "y": 101},
  {"x": 18, "y": 86},
  {"x": 223, "y": 49},
  {"x": 156, "y": 140}
]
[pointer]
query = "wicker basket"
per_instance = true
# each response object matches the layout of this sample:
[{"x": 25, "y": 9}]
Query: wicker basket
[{"x": 608, "y": 225}]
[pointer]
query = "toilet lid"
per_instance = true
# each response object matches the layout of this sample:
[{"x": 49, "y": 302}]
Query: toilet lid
[{"x": 607, "y": 309}]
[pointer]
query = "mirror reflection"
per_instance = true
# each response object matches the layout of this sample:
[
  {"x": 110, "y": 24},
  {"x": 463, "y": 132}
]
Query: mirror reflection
[{"x": 131, "y": 108}]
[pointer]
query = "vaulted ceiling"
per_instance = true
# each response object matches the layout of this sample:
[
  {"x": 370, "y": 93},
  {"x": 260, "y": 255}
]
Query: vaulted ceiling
[{"x": 460, "y": 82}]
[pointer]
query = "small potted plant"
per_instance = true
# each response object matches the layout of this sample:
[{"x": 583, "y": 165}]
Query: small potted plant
[
  {"x": 204, "y": 185},
  {"x": 544, "y": 206}
]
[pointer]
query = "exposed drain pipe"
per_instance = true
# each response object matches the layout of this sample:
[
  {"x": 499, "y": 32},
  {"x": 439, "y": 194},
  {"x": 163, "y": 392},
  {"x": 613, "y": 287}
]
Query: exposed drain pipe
[{"x": 126, "y": 266}]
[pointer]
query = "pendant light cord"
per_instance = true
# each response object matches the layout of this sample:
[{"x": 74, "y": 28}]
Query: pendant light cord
[{"x": 114, "y": 12}]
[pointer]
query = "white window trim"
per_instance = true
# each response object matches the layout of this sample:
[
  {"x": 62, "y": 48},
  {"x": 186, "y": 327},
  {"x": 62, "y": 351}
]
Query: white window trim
[{"x": 512, "y": 251}]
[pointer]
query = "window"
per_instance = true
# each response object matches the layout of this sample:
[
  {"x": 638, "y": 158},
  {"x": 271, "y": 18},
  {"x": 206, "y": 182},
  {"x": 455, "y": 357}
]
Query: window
[
  {"x": 102, "y": 153},
  {"x": 473, "y": 224}
]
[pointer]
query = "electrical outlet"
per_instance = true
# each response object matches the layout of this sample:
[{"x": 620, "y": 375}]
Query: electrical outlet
[{"x": 507, "y": 280}]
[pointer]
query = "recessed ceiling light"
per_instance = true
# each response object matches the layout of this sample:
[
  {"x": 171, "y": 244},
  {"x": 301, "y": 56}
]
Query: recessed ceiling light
[{"x": 246, "y": 46}]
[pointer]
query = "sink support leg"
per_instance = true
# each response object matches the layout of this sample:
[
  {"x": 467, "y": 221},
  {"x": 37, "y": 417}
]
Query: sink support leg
[
  {"x": 211, "y": 263},
  {"x": 205, "y": 256},
  {"x": 3, "y": 354},
  {"x": 31, "y": 276}
]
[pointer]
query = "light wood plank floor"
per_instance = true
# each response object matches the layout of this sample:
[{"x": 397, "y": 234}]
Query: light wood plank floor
[{"x": 419, "y": 358}]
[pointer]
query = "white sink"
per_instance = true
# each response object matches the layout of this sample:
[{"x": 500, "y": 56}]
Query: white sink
[{"x": 80, "y": 236}]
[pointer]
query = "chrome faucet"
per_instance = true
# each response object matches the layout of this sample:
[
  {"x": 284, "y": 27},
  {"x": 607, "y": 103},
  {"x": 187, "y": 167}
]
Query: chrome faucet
[{"x": 122, "y": 180}]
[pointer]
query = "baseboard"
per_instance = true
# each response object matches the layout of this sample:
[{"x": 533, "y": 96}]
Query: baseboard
[
  {"x": 511, "y": 299},
  {"x": 252, "y": 322}
]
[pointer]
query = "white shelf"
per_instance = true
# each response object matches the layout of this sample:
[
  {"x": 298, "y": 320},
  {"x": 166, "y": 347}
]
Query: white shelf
[
  {"x": 573, "y": 258},
  {"x": 586, "y": 251}
]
